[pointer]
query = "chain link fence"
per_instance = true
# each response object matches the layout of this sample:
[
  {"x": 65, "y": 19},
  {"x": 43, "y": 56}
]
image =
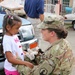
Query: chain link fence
[{"x": 50, "y": 8}]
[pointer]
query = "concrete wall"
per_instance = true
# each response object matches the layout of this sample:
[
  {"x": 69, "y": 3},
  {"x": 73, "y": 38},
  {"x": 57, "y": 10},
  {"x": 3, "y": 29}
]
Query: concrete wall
[{"x": 71, "y": 3}]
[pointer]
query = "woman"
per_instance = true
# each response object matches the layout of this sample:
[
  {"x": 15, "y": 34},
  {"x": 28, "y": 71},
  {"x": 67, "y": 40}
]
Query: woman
[{"x": 58, "y": 58}]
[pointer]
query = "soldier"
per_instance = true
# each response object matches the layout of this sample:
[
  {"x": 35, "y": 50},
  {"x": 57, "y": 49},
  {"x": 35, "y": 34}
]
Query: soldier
[{"x": 58, "y": 58}]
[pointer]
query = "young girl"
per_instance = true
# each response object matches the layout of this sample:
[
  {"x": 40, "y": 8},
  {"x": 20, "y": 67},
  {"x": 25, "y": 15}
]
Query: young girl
[{"x": 11, "y": 44}]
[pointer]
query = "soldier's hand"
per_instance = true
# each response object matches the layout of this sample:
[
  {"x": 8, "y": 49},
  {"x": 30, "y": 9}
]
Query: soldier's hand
[{"x": 30, "y": 65}]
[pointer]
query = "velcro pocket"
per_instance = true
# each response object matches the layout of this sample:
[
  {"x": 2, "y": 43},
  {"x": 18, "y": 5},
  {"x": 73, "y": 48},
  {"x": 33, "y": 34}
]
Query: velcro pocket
[{"x": 44, "y": 69}]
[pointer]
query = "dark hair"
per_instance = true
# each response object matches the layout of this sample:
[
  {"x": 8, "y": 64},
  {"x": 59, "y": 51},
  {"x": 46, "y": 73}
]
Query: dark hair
[
  {"x": 10, "y": 19},
  {"x": 61, "y": 33}
]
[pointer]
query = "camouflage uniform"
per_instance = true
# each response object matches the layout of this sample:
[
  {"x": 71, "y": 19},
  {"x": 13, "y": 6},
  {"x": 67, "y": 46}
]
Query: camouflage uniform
[{"x": 58, "y": 58}]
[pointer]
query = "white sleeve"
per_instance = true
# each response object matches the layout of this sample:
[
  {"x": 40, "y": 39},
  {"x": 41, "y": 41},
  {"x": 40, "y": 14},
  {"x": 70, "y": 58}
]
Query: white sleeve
[{"x": 7, "y": 46}]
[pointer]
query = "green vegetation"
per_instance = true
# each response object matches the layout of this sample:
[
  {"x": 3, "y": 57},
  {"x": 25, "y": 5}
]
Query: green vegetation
[{"x": 68, "y": 25}]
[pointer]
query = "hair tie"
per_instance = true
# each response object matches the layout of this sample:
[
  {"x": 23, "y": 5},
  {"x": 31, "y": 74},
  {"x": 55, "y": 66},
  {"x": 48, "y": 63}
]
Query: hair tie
[{"x": 10, "y": 17}]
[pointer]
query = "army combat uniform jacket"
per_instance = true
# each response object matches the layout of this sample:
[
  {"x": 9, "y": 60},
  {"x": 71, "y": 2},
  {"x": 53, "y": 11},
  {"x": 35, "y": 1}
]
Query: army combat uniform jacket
[{"x": 56, "y": 60}]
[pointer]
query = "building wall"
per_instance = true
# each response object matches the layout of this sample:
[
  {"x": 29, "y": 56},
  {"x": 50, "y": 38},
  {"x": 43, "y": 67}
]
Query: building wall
[{"x": 71, "y": 3}]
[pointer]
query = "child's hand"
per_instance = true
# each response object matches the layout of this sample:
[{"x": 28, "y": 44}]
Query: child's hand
[
  {"x": 24, "y": 52},
  {"x": 30, "y": 65}
]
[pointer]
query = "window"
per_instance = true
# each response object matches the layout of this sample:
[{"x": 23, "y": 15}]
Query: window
[{"x": 65, "y": 3}]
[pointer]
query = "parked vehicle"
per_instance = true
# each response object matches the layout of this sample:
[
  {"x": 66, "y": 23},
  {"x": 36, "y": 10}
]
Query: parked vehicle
[
  {"x": 26, "y": 36},
  {"x": 70, "y": 19}
]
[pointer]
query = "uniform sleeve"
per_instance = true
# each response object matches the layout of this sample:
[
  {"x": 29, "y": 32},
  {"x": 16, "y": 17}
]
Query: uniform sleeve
[
  {"x": 7, "y": 46},
  {"x": 62, "y": 58},
  {"x": 40, "y": 6}
]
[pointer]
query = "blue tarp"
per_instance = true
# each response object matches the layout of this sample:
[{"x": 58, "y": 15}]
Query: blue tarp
[{"x": 68, "y": 9}]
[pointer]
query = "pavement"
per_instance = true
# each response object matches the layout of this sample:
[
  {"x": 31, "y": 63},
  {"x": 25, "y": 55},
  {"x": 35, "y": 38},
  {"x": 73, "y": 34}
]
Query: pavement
[{"x": 71, "y": 38}]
